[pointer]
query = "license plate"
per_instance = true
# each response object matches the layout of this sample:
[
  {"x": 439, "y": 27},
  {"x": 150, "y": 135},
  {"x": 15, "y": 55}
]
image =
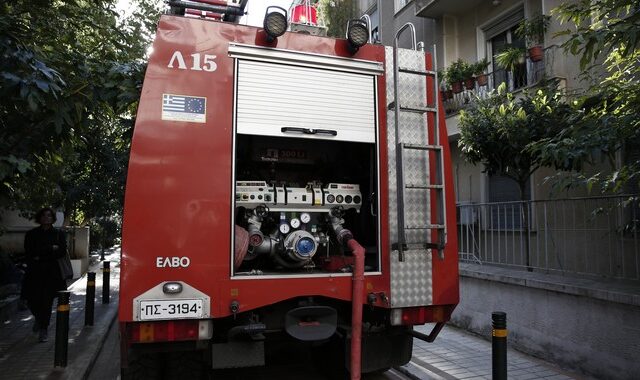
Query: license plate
[{"x": 170, "y": 309}]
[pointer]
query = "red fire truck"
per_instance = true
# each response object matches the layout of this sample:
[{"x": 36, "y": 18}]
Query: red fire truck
[{"x": 284, "y": 188}]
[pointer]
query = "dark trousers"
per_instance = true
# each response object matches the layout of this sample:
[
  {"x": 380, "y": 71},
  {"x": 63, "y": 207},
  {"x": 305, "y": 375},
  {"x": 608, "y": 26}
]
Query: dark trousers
[{"x": 40, "y": 306}]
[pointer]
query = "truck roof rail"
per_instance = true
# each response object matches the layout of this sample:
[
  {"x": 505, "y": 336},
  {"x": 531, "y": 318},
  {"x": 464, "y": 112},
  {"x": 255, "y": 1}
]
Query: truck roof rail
[{"x": 209, "y": 9}]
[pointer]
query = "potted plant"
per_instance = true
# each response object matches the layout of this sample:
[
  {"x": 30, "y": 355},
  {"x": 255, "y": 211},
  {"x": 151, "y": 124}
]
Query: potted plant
[
  {"x": 510, "y": 58},
  {"x": 467, "y": 73},
  {"x": 533, "y": 32},
  {"x": 478, "y": 70},
  {"x": 442, "y": 84},
  {"x": 455, "y": 75}
]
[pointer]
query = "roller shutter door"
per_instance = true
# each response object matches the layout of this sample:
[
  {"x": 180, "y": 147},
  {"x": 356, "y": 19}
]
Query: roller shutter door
[{"x": 275, "y": 99}]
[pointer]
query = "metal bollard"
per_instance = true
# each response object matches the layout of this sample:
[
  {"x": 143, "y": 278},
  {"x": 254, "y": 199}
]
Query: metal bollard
[
  {"x": 90, "y": 299},
  {"x": 62, "y": 329},
  {"x": 499, "y": 345},
  {"x": 106, "y": 273}
]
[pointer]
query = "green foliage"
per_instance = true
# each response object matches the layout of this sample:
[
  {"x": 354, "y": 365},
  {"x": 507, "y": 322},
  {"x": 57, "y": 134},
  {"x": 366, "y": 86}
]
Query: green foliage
[
  {"x": 458, "y": 71},
  {"x": 611, "y": 107},
  {"x": 70, "y": 77},
  {"x": 510, "y": 58},
  {"x": 104, "y": 232},
  {"x": 336, "y": 14},
  {"x": 499, "y": 130},
  {"x": 479, "y": 67},
  {"x": 533, "y": 29}
]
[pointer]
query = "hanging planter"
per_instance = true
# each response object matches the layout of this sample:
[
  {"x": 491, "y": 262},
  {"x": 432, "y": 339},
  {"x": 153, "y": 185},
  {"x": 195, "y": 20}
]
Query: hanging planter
[
  {"x": 536, "y": 53},
  {"x": 456, "y": 87},
  {"x": 482, "y": 79},
  {"x": 478, "y": 70},
  {"x": 511, "y": 58},
  {"x": 469, "y": 83},
  {"x": 449, "y": 94},
  {"x": 533, "y": 31}
]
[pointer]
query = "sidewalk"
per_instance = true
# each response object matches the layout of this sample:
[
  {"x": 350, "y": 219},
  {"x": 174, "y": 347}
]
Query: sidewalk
[
  {"x": 23, "y": 357},
  {"x": 458, "y": 354}
]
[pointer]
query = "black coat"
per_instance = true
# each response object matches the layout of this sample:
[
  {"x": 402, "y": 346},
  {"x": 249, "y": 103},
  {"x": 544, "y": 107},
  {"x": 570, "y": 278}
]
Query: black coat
[{"x": 43, "y": 273}]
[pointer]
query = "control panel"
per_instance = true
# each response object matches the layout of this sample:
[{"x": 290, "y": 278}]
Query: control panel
[{"x": 311, "y": 198}]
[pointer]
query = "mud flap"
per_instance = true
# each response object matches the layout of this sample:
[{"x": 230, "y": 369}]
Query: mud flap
[
  {"x": 382, "y": 350},
  {"x": 237, "y": 355}
]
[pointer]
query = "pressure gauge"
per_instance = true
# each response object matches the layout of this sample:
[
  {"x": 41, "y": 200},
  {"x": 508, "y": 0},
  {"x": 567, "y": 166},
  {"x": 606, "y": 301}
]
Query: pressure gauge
[
  {"x": 305, "y": 217},
  {"x": 284, "y": 228},
  {"x": 295, "y": 222},
  {"x": 331, "y": 198}
]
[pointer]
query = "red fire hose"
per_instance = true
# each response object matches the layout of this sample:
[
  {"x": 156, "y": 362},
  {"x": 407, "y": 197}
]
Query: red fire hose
[{"x": 356, "y": 308}]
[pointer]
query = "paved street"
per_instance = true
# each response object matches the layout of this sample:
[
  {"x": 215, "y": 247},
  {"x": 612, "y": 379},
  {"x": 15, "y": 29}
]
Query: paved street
[{"x": 455, "y": 354}]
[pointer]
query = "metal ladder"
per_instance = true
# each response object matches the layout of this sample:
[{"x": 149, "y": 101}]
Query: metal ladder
[{"x": 427, "y": 147}]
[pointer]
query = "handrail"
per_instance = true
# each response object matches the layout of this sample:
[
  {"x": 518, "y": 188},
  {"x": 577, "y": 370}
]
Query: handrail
[
  {"x": 399, "y": 32},
  {"x": 367, "y": 19}
]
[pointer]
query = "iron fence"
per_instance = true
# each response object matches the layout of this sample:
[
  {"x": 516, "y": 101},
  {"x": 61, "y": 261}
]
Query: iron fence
[{"x": 581, "y": 236}]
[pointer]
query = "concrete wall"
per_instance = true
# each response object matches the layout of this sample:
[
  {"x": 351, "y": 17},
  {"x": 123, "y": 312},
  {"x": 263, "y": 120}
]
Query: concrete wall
[{"x": 598, "y": 337}]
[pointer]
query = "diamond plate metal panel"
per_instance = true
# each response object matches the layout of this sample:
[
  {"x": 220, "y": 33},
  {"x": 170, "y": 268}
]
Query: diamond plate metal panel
[{"x": 411, "y": 280}]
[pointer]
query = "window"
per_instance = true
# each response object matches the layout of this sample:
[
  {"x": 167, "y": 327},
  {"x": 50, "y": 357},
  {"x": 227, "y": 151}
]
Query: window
[
  {"x": 507, "y": 211},
  {"x": 500, "y": 35},
  {"x": 517, "y": 78},
  {"x": 399, "y": 4}
]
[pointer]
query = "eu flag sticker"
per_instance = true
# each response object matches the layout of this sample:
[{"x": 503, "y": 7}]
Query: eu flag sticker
[{"x": 191, "y": 109}]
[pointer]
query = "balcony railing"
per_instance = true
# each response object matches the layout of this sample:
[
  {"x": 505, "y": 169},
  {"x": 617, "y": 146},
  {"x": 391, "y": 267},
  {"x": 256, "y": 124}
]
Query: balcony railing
[
  {"x": 580, "y": 236},
  {"x": 528, "y": 74}
]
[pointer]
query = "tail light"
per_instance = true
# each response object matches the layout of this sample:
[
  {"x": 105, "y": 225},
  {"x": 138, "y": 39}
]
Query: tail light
[
  {"x": 170, "y": 331},
  {"x": 410, "y": 316}
]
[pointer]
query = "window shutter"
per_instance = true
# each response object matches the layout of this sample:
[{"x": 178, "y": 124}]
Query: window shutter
[{"x": 508, "y": 21}]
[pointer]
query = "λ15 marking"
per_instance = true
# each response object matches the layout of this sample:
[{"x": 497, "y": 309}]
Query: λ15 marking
[{"x": 200, "y": 62}]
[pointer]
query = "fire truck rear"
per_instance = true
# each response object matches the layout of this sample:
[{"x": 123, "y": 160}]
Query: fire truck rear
[{"x": 284, "y": 188}]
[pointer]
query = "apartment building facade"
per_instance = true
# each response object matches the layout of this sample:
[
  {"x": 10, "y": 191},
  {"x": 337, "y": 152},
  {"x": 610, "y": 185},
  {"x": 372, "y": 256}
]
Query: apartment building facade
[{"x": 563, "y": 261}]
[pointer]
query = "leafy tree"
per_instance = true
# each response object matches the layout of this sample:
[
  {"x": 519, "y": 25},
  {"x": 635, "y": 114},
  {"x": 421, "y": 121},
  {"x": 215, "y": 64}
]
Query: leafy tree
[
  {"x": 70, "y": 78},
  {"x": 498, "y": 133},
  {"x": 606, "y": 36},
  {"x": 336, "y": 14}
]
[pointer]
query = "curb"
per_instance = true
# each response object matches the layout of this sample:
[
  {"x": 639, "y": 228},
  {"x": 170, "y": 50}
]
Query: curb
[
  {"x": 90, "y": 339},
  {"x": 93, "y": 340},
  {"x": 8, "y": 306}
]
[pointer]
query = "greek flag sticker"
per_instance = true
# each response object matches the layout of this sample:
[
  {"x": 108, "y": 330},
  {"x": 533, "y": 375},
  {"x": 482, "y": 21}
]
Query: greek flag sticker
[{"x": 191, "y": 109}]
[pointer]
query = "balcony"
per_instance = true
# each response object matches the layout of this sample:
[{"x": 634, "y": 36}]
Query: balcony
[
  {"x": 437, "y": 8},
  {"x": 528, "y": 75}
]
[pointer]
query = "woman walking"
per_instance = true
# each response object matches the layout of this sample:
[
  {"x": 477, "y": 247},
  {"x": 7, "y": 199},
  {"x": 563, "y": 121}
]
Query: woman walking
[{"x": 43, "y": 246}]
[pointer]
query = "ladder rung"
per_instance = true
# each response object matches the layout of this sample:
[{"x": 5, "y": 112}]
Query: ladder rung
[
  {"x": 409, "y": 246},
  {"x": 427, "y": 227},
  {"x": 425, "y": 187},
  {"x": 418, "y": 72},
  {"x": 418, "y": 109},
  {"x": 422, "y": 147},
  {"x": 392, "y": 105}
]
